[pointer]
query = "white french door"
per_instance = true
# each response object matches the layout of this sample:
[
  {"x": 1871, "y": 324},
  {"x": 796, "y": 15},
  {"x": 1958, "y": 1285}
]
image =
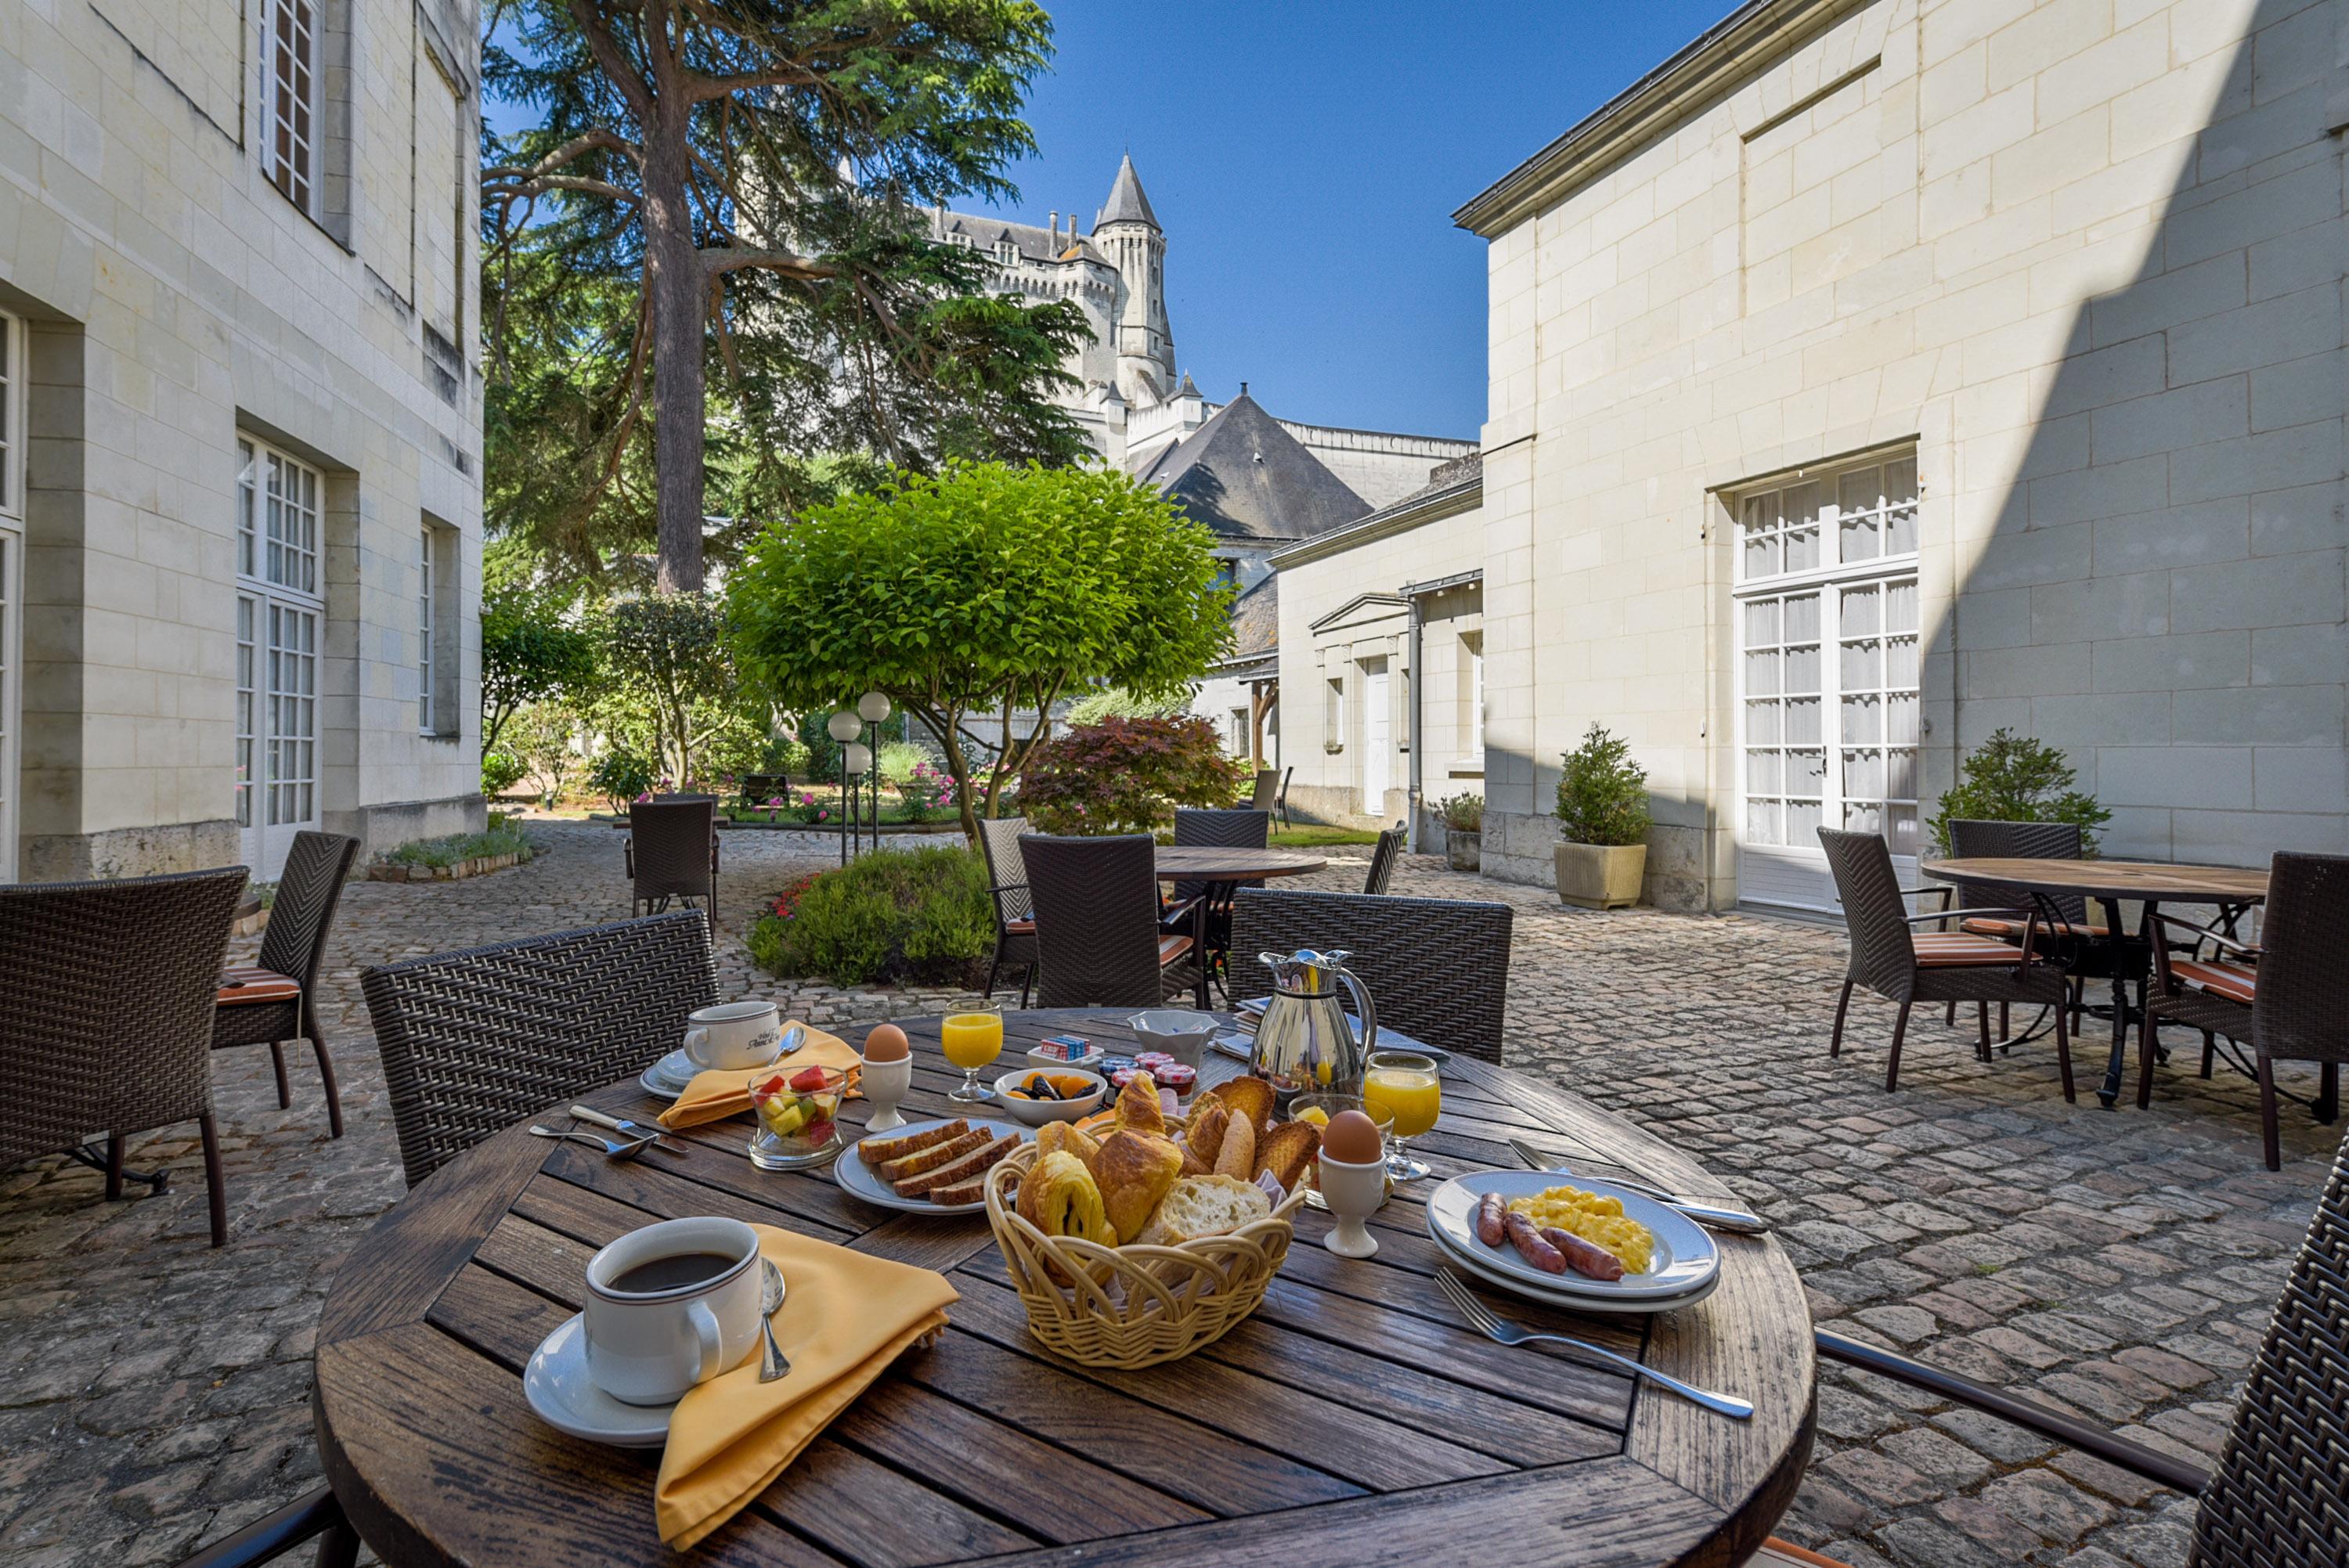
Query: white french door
[
  {"x": 1378, "y": 736},
  {"x": 1827, "y": 717},
  {"x": 277, "y": 616}
]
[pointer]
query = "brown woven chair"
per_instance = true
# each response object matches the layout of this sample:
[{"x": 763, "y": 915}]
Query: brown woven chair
[
  {"x": 1383, "y": 858},
  {"x": 1280, "y": 801},
  {"x": 2064, "y": 926},
  {"x": 1436, "y": 968},
  {"x": 2288, "y": 999},
  {"x": 1097, "y": 935},
  {"x": 1903, "y": 966},
  {"x": 1242, "y": 827},
  {"x": 2276, "y": 1499},
  {"x": 672, "y": 852},
  {"x": 1015, "y": 909},
  {"x": 275, "y": 1000},
  {"x": 106, "y": 1017},
  {"x": 473, "y": 1041}
]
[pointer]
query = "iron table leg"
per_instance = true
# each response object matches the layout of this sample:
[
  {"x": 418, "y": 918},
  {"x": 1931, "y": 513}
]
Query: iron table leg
[{"x": 2110, "y": 1091}]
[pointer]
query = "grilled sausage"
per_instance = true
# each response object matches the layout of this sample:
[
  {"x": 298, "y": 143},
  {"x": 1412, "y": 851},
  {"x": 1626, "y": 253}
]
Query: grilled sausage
[
  {"x": 1491, "y": 1228},
  {"x": 1586, "y": 1258},
  {"x": 1530, "y": 1245}
]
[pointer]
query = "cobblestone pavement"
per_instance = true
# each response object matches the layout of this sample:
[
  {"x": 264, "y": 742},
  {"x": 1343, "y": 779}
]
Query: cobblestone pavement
[{"x": 153, "y": 1394}]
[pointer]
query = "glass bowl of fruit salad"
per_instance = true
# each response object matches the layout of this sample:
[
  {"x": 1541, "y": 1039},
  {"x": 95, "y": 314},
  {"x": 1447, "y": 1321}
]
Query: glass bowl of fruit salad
[{"x": 798, "y": 1114}]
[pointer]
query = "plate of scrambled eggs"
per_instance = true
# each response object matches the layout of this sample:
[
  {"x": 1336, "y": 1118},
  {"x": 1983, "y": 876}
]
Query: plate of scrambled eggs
[{"x": 1665, "y": 1256}]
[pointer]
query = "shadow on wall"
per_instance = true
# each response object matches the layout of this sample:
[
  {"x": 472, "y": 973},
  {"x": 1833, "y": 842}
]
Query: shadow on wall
[{"x": 2156, "y": 585}]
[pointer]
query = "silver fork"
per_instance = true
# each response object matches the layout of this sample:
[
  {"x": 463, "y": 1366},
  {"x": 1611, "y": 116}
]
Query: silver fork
[
  {"x": 1494, "y": 1327},
  {"x": 772, "y": 1362}
]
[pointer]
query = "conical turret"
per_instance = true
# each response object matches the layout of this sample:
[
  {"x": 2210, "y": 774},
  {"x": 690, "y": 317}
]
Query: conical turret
[{"x": 1126, "y": 230}]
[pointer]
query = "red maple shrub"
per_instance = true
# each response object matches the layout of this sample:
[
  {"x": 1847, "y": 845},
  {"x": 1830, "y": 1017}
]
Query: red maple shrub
[{"x": 1126, "y": 776}]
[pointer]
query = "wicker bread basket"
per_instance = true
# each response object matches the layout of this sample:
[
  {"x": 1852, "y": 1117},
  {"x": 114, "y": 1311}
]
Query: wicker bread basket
[{"x": 1132, "y": 1306}]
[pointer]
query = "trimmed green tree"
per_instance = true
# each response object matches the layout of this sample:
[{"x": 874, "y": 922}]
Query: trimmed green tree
[
  {"x": 1602, "y": 794},
  {"x": 985, "y": 591},
  {"x": 2013, "y": 777},
  {"x": 667, "y": 655},
  {"x": 529, "y": 654}
]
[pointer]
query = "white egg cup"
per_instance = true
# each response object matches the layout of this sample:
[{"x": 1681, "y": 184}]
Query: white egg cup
[
  {"x": 884, "y": 1084},
  {"x": 1353, "y": 1193}
]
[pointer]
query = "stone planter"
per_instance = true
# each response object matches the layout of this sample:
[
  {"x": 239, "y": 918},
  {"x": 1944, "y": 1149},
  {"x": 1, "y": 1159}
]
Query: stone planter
[
  {"x": 1465, "y": 851},
  {"x": 459, "y": 872},
  {"x": 1599, "y": 876}
]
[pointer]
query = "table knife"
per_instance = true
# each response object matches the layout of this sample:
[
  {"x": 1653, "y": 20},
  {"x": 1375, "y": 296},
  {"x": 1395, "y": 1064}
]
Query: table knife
[
  {"x": 1737, "y": 1222},
  {"x": 653, "y": 1130}
]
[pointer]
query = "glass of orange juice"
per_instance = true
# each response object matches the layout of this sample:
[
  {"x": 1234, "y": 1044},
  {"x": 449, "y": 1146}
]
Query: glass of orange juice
[
  {"x": 1406, "y": 1086},
  {"x": 972, "y": 1039}
]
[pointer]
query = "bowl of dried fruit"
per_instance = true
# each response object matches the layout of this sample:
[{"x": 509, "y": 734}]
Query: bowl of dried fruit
[{"x": 1038, "y": 1095}]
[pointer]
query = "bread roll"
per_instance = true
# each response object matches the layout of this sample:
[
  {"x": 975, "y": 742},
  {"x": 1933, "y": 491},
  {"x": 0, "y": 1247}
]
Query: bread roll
[
  {"x": 1285, "y": 1150},
  {"x": 1235, "y": 1155},
  {"x": 1199, "y": 1206},
  {"x": 1135, "y": 1171},
  {"x": 1207, "y": 1134}
]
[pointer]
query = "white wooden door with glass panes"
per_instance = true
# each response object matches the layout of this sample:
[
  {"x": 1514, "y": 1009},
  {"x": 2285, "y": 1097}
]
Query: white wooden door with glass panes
[
  {"x": 1827, "y": 626},
  {"x": 1378, "y": 736},
  {"x": 277, "y": 613},
  {"x": 12, "y": 568}
]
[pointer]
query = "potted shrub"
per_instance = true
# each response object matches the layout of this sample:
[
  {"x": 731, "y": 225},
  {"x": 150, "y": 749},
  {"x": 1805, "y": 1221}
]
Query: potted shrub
[
  {"x": 2015, "y": 778},
  {"x": 1463, "y": 830},
  {"x": 1602, "y": 805}
]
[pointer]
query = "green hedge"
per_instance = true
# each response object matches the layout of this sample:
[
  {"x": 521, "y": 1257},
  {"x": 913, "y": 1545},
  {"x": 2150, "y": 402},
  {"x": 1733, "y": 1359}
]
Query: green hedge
[
  {"x": 897, "y": 916},
  {"x": 500, "y": 840}
]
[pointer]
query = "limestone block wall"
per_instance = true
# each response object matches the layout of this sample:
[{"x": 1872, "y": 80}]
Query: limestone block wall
[
  {"x": 178, "y": 300},
  {"x": 2087, "y": 260}
]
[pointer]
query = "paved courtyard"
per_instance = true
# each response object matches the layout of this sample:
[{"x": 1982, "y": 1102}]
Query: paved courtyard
[{"x": 153, "y": 1394}]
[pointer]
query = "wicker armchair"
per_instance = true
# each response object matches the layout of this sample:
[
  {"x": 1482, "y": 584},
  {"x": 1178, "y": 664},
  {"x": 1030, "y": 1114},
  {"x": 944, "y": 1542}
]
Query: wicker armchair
[
  {"x": 106, "y": 1016},
  {"x": 1280, "y": 801},
  {"x": 2288, "y": 1000},
  {"x": 1015, "y": 908},
  {"x": 1097, "y": 932},
  {"x": 1906, "y": 967},
  {"x": 1436, "y": 968},
  {"x": 2064, "y": 926},
  {"x": 672, "y": 852},
  {"x": 472, "y": 1041},
  {"x": 2276, "y": 1496},
  {"x": 1383, "y": 858},
  {"x": 1244, "y": 828},
  {"x": 275, "y": 1000}
]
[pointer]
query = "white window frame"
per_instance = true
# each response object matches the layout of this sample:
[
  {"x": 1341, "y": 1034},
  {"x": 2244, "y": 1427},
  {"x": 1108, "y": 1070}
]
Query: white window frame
[
  {"x": 1806, "y": 535},
  {"x": 13, "y": 359},
  {"x": 280, "y": 527},
  {"x": 424, "y": 630},
  {"x": 290, "y": 100}
]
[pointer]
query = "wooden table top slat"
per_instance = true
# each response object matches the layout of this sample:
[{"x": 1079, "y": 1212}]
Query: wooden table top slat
[
  {"x": 1232, "y": 863},
  {"x": 2154, "y": 880},
  {"x": 1353, "y": 1417}
]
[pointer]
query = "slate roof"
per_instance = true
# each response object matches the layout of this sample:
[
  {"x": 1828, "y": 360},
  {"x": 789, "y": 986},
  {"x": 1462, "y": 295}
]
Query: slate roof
[
  {"x": 1036, "y": 245},
  {"x": 1255, "y": 621},
  {"x": 1246, "y": 478},
  {"x": 1127, "y": 205}
]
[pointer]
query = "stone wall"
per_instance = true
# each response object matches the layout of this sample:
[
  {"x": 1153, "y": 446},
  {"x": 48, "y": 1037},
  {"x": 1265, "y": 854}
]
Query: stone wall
[
  {"x": 178, "y": 301},
  {"x": 2089, "y": 260}
]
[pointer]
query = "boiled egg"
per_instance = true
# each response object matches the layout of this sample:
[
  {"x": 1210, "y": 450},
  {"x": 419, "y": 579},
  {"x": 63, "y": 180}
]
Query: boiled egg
[
  {"x": 886, "y": 1043},
  {"x": 1352, "y": 1139}
]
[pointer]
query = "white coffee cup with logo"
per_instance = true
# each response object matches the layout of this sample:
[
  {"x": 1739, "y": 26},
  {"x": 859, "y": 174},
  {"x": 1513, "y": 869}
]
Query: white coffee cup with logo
[
  {"x": 671, "y": 1305},
  {"x": 734, "y": 1035}
]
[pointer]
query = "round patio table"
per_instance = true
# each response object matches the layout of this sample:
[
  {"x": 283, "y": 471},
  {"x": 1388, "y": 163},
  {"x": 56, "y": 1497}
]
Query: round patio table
[
  {"x": 1352, "y": 1417},
  {"x": 2106, "y": 882},
  {"x": 1220, "y": 863}
]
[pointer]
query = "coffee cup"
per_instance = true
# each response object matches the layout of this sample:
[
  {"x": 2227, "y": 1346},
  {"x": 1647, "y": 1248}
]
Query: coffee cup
[
  {"x": 670, "y": 1305},
  {"x": 733, "y": 1035}
]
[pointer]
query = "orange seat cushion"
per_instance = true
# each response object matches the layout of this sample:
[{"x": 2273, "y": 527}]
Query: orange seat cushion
[
  {"x": 1937, "y": 952},
  {"x": 2230, "y": 981},
  {"x": 1020, "y": 927},
  {"x": 245, "y": 986},
  {"x": 1170, "y": 948},
  {"x": 1777, "y": 1553},
  {"x": 2012, "y": 930}
]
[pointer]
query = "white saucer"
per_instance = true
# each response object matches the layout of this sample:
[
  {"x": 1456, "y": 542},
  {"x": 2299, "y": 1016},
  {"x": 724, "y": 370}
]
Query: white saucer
[
  {"x": 557, "y": 1385},
  {"x": 668, "y": 1076}
]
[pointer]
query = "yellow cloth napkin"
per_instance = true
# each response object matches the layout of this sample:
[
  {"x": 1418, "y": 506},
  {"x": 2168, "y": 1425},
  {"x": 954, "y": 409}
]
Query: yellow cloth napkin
[
  {"x": 846, "y": 1316},
  {"x": 725, "y": 1091}
]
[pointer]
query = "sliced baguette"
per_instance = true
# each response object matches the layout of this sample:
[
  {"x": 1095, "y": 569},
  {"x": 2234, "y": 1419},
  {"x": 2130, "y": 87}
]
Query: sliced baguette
[
  {"x": 935, "y": 1155},
  {"x": 880, "y": 1151},
  {"x": 1204, "y": 1206},
  {"x": 970, "y": 1168},
  {"x": 1235, "y": 1154}
]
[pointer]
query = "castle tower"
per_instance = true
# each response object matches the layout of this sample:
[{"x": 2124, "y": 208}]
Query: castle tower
[{"x": 1126, "y": 230}]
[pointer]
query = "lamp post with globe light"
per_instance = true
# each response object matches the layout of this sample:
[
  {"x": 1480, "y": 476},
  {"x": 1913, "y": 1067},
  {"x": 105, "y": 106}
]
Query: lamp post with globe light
[
  {"x": 845, "y": 728},
  {"x": 873, "y": 707}
]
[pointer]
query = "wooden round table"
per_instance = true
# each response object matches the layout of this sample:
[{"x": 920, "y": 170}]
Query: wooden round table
[
  {"x": 2106, "y": 882},
  {"x": 1354, "y": 1417},
  {"x": 1220, "y": 863}
]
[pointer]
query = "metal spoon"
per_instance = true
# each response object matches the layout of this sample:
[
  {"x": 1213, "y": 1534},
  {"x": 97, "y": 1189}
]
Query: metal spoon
[
  {"x": 793, "y": 1038},
  {"x": 617, "y": 1150},
  {"x": 772, "y": 1362}
]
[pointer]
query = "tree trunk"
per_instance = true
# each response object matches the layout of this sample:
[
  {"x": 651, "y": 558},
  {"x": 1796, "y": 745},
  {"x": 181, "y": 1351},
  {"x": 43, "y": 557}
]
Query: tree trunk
[{"x": 674, "y": 290}]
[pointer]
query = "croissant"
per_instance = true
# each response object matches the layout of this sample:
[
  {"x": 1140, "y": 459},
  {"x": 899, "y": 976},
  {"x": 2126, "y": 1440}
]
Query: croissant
[
  {"x": 1054, "y": 1136},
  {"x": 1060, "y": 1198},
  {"x": 1137, "y": 1106},
  {"x": 1135, "y": 1171}
]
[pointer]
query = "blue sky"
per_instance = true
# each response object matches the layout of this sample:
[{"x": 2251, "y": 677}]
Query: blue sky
[{"x": 1305, "y": 157}]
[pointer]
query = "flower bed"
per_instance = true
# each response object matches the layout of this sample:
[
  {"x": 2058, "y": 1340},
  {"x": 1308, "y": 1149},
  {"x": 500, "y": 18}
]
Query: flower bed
[
  {"x": 452, "y": 858},
  {"x": 918, "y": 916}
]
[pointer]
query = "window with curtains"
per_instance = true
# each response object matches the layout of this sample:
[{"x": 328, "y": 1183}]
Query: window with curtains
[
  {"x": 1826, "y": 629},
  {"x": 279, "y": 606},
  {"x": 289, "y": 99},
  {"x": 424, "y": 629}
]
